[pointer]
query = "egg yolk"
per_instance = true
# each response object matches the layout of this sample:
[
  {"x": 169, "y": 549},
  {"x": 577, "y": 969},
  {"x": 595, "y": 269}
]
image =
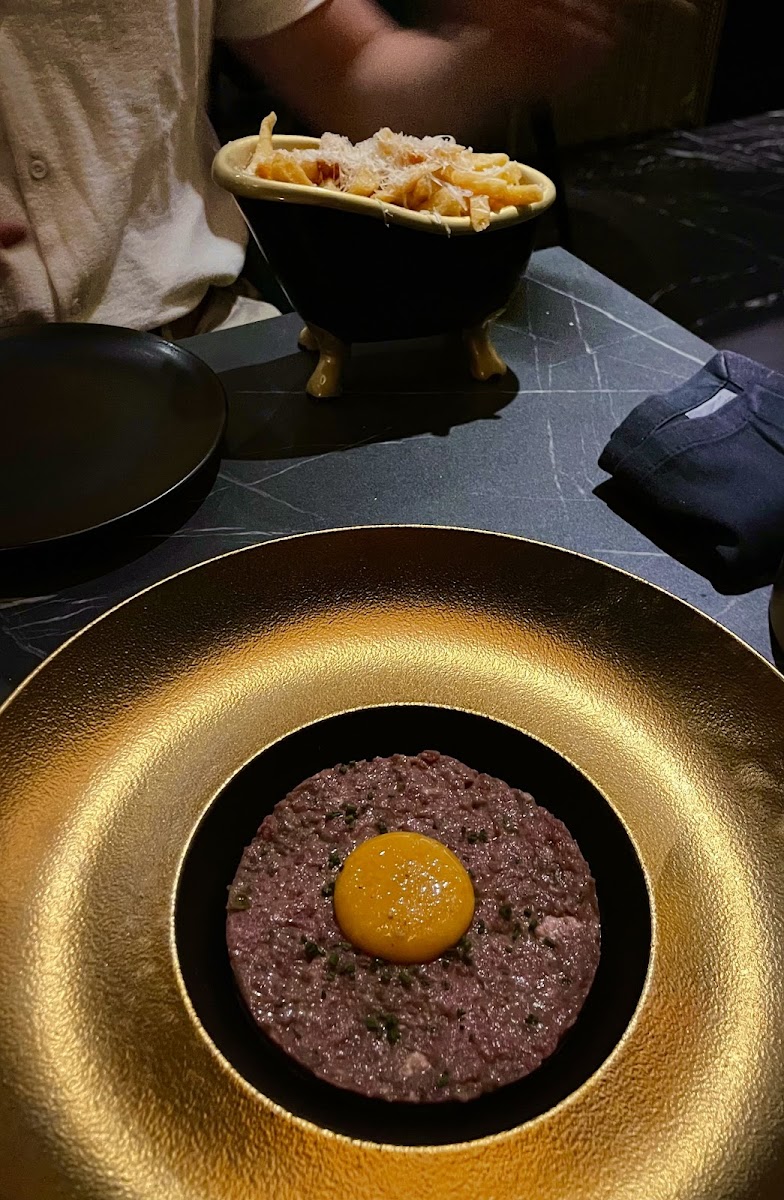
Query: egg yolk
[{"x": 404, "y": 897}]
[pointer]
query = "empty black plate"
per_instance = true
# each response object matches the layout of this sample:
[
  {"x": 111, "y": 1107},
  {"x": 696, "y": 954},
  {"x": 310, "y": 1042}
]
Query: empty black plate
[{"x": 97, "y": 424}]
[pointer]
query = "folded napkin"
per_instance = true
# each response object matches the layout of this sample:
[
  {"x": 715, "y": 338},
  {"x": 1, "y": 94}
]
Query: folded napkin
[{"x": 700, "y": 470}]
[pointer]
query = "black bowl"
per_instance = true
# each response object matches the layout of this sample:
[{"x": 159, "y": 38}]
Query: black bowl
[
  {"x": 367, "y": 272},
  {"x": 231, "y": 822}
]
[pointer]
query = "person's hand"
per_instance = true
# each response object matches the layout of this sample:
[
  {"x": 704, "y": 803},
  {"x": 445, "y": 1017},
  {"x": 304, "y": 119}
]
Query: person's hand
[
  {"x": 481, "y": 57},
  {"x": 540, "y": 46}
]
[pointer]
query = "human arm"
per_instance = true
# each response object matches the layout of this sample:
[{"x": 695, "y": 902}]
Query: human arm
[{"x": 348, "y": 67}]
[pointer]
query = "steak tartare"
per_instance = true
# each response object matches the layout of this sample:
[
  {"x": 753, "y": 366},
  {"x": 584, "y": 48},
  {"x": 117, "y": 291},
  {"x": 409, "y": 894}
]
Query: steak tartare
[{"x": 484, "y": 1013}]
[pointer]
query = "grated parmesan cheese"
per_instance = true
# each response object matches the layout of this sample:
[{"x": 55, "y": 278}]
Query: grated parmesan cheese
[{"x": 430, "y": 174}]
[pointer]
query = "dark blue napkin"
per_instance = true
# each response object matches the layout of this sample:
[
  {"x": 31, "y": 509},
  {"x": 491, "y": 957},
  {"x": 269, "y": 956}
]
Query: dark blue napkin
[{"x": 700, "y": 470}]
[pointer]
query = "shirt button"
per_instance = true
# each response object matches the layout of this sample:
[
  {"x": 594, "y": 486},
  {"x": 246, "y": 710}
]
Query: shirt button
[{"x": 38, "y": 168}]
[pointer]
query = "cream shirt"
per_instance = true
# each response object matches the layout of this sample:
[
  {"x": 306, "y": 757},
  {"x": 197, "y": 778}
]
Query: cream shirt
[{"x": 105, "y": 153}]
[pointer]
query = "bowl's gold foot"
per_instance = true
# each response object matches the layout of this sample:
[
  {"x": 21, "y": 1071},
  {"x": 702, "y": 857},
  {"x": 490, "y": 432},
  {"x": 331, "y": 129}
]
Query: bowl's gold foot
[
  {"x": 326, "y": 380},
  {"x": 483, "y": 358},
  {"x": 307, "y": 339}
]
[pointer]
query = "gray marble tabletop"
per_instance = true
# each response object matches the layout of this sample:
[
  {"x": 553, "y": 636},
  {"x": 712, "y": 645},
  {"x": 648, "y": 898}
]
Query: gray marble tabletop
[
  {"x": 414, "y": 440},
  {"x": 691, "y": 219}
]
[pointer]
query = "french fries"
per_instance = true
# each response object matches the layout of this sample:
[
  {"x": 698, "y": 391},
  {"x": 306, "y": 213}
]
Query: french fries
[
  {"x": 264, "y": 152},
  {"x": 365, "y": 182},
  {"x": 433, "y": 174},
  {"x": 481, "y": 183},
  {"x": 479, "y": 211}
]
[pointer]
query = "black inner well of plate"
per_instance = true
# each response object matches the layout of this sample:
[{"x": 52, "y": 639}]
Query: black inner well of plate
[{"x": 232, "y": 821}]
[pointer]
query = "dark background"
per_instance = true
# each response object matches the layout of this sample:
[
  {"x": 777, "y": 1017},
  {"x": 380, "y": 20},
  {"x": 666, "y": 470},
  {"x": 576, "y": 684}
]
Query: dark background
[{"x": 749, "y": 76}]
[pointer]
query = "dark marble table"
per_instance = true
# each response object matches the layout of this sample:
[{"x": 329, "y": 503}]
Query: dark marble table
[
  {"x": 414, "y": 440},
  {"x": 693, "y": 221}
]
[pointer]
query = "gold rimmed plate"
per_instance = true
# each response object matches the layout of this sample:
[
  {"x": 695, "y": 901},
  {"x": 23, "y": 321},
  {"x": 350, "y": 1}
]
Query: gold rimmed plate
[{"x": 133, "y": 762}]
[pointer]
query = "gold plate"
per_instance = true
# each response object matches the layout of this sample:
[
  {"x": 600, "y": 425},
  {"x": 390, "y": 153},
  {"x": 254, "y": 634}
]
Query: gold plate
[{"x": 115, "y": 748}]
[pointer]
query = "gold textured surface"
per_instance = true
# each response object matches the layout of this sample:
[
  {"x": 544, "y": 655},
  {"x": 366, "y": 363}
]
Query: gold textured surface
[{"x": 112, "y": 750}]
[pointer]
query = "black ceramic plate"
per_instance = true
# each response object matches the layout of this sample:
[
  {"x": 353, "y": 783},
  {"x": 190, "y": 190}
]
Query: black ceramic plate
[{"x": 97, "y": 423}]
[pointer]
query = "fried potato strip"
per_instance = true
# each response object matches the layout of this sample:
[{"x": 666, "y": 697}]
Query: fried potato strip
[{"x": 433, "y": 174}]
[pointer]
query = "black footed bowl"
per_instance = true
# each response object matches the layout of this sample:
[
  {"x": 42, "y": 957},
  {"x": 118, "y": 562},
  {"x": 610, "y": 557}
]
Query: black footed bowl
[{"x": 358, "y": 270}]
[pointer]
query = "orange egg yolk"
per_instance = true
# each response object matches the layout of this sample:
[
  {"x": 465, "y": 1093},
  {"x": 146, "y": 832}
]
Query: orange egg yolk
[{"x": 403, "y": 897}]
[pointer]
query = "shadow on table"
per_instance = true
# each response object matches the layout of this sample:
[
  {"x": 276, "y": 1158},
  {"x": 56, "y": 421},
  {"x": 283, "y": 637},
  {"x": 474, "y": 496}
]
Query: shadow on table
[
  {"x": 391, "y": 393},
  {"x": 71, "y": 562},
  {"x": 692, "y": 544}
]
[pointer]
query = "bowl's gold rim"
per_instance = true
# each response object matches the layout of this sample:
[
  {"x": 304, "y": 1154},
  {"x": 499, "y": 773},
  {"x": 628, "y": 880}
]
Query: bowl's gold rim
[
  {"x": 228, "y": 170},
  {"x": 289, "y": 537},
  {"x": 445, "y": 1147}
]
